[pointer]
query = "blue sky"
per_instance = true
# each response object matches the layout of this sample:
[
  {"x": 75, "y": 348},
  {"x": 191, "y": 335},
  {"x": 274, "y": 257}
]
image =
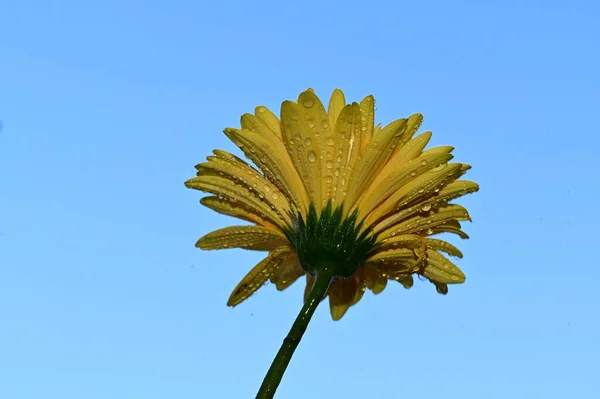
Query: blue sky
[{"x": 107, "y": 106}]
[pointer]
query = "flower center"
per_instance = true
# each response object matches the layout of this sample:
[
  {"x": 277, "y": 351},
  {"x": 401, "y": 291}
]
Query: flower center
[{"x": 330, "y": 241}]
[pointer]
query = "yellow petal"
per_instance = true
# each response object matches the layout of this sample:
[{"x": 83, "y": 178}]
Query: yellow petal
[
  {"x": 402, "y": 241},
  {"x": 408, "y": 152},
  {"x": 426, "y": 221},
  {"x": 347, "y": 144},
  {"x": 412, "y": 125},
  {"x": 269, "y": 119},
  {"x": 441, "y": 270},
  {"x": 452, "y": 226},
  {"x": 258, "y": 276},
  {"x": 322, "y": 138},
  {"x": 443, "y": 246},
  {"x": 248, "y": 237},
  {"x": 302, "y": 147},
  {"x": 367, "y": 111},
  {"x": 271, "y": 156},
  {"x": 341, "y": 295},
  {"x": 383, "y": 198},
  {"x": 429, "y": 183},
  {"x": 405, "y": 279},
  {"x": 336, "y": 103},
  {"x": 374, "y": 280},
  {"x": 400, "y": 258},
  {"x": 245, "y": 175},
  {"x": 224, "y": 187},
  {"x": 456, "y": 189},
  {"x": 288, "y": 273},
  {"x": 373, "y": 158},
  {"x": 235, "y": 209}
]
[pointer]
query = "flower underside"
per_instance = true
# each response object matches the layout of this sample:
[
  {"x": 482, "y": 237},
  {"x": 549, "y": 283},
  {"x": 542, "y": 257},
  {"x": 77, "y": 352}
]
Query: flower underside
[
  {"x": 330, "y": 240},
  {"x": 332, "y": 190}
]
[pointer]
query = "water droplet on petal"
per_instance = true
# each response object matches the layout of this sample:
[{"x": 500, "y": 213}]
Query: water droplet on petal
[
  {"x": 329, "y": 141},
  {"x": 324, "y": 124},
  {"x": 275, "y": 196},
  {"x": 329, "y": 164},
  {"x": 311, "y": 123},
  {"x": 307, "y": 142},
  {"x": 312, "y": 157},
  {"x": 413, "y": 173},
  {"x": 423, "y": 162},
  {"x": 337, "y": 171},
  {"x": 426, "y": 207},
  {"x": 308, "y": 103}
]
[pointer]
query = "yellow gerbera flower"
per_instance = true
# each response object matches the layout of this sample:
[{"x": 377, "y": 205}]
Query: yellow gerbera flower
[{"x": 336, "y": 195}]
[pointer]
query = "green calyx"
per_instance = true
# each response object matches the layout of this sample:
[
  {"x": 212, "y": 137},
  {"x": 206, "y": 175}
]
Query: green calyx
[{"x": 330, "y": 241}]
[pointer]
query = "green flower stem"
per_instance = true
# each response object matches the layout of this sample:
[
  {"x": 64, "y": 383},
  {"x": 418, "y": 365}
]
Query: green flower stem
[{"x": 290, "y": 343}]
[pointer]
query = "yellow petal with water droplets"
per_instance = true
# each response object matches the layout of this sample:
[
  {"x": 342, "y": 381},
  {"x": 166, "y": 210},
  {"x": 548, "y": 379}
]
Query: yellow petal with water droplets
[
  {"x": 367, "y": 111},
  {"x": 289, "y": 271},
  {"x": 258, "y": 276},
  {"x": 247, "y": 237},
  {"x": 402, "y": 241},
  {"x": 408, "y": 152},
  {"x": 412, "y": 125},
  {"x": 303, "y": 148},
  {"x": 322, "y": 142},
  {"x": 374, "y": 280},
  {"x": 441, "y": 270},
  {"x": 271, "y": 156},
  {"x": 341, "y": 295},
  {"x": 235, "y": 209},
  {"x": 269, "y": 119},
  {"x": 443, "y": 246},
  {"x": 372, "y": 159},
  {"x": 456, "y": 189},
  {"x": 347, "y": 144},
  {"x": 381, "y": 199},
  {"x": 410, "y": 205},
  {"x": 405, "y": 279},
  {"x": 425, "y": 221},
  {"x": 377, "y": 129},
  {"x": 399, "y": 258},
  {"x": 224, "y": 187},
  {"x": 453, "y": 227},
  {"x": 254, "y": 181},
  {"x": 336, "y": 103}
]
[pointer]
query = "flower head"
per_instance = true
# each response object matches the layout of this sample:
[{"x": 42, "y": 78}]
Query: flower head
[{"x": 332, "y": 190}]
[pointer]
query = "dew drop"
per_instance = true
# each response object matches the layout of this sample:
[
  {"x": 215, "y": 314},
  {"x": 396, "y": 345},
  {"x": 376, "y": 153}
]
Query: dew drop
[
  {"x": 426, "y": 207},
  {"x": 311, "y": 123},
  {"x": 307, "y": 142},
  {"x": 421, "y": 191},
  {"x": 454, "y": 278},
  {"x": 329, "y": 141},
  {"x": 267, "y": 189},
  {"x": 308, "y": 103},
  {"x": 423, "y": 162},
  {"x": 312, "y": 157},
  {"x": 292, "y": 142},
  {"x": 337, "y": 171},
  {"x": 324, "y": 124},
  {"x": 329, "y": 164},
  {"x": 275, "y": 196},
  {"x": 262, "y": 110},
  {"x": 413, "y": 173}
]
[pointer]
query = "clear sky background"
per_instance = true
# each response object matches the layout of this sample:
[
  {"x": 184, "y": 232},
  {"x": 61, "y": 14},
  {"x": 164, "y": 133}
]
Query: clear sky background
[{"x": 107, "y": 106}]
